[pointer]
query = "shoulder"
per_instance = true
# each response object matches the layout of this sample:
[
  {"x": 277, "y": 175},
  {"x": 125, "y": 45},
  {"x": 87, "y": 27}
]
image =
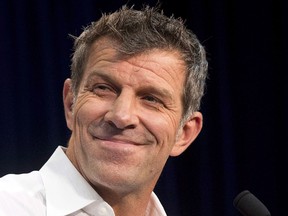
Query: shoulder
[
  {"x": 22, "y": 193},
  {"x": 30, "y": 183}
]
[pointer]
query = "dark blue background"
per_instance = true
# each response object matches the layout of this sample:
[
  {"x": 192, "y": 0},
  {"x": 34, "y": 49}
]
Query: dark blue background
[{"x": 243, "y": 144}]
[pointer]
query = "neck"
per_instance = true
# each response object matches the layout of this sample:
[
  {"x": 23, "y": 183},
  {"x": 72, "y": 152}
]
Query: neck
[{"x": 127, "y": 204}]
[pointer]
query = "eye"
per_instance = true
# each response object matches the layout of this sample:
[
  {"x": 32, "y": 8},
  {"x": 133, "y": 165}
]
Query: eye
[
  {"x": 153, "y": 101},
  {"x": 103, "y": 89},
  {"x": 150, "y": 99}
]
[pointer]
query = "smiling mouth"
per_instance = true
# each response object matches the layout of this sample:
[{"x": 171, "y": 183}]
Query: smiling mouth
[
  {"x": 119, "y": 147},
  {"x": 104, "y": 132},
  {"x": 117, "y": 141}
]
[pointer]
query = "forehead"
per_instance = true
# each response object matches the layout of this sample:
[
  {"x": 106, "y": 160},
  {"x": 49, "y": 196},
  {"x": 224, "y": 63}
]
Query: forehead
[
  {"x": 106, "y": 49},
  {"x": 156, "y": 64}
]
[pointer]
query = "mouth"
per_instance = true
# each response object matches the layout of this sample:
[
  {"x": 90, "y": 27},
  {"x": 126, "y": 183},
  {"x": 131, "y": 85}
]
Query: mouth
[
  {"x": 104, "y": 134},
  {"x": 119, "y": 141},
  {"x": 117, "y": 146}
]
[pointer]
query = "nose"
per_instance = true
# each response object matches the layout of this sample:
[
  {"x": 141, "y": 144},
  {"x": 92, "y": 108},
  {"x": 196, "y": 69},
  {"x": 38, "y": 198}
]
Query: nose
[{"x": 122, "y": 113}]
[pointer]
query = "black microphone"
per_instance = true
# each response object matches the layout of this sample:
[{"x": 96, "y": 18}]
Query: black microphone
[{"x": 249, "y": 205}]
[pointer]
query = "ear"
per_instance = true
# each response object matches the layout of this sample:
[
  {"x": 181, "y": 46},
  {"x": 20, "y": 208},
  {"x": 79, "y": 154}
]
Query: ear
[
  {"x": 68, "y": 103},
  {"x": 187, "y": 134}
]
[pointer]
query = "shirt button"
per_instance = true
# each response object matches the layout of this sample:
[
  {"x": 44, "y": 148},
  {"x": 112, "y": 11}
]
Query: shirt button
[{"x": 102, "y": 210}]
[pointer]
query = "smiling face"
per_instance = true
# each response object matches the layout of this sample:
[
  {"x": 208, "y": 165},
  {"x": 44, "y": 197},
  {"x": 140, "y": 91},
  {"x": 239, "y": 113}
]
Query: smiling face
[{"x": 125, "y": 119}]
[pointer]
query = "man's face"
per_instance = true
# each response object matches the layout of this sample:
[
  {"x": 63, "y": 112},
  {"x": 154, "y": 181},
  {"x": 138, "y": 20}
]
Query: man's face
[{"x": 125, "y": 120}]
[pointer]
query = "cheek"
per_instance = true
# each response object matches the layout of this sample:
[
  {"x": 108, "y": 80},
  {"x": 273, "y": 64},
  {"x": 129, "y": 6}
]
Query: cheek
[
  {"x": 79, "y": 113},
  {"x": 87, "y": 109},
  {"x": 163, "y": 126}
]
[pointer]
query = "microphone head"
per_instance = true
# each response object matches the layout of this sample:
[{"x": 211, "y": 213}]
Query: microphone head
[{"x": 249, "y": 205}]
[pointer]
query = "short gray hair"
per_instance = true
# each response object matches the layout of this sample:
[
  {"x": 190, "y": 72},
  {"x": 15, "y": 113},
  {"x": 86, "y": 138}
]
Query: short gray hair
[{"x": 138, "y": 31}]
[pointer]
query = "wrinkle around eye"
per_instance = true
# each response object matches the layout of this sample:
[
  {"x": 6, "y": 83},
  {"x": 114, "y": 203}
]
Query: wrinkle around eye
[
  {"x": 153, "y": 102},
  {"x": 152, "y": 99},
  {"x": 103, "y": 90}
]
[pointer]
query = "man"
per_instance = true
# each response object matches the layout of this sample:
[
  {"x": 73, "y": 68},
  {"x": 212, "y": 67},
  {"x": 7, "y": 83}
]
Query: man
[{"x": 132, "y": 101}]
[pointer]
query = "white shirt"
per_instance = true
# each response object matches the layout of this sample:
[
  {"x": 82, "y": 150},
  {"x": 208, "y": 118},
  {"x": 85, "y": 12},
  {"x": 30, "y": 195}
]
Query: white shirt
[{"x": 58, "y": 189}]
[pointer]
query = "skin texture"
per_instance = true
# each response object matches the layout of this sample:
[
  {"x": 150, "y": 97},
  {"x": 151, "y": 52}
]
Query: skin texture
[{"x": 125, "y": 123}]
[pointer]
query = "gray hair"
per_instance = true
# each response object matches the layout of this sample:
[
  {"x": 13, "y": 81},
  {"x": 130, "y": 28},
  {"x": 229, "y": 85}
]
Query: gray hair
[{"x": 137, "y": 31}]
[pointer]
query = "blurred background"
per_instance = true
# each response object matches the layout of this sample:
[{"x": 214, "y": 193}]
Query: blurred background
[{"x": 243, "y": 144}]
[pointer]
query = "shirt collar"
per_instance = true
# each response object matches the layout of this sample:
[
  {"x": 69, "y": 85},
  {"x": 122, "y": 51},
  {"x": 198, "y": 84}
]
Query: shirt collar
[
  {"x": 154, "y": 207},
  {"x": 66, "y": 190}
]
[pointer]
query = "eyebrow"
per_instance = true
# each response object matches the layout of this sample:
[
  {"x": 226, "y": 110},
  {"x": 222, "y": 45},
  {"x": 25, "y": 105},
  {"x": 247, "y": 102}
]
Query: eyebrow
[
  {"x": 162, "y": 92},
  {"x": 103, "y": 75}
]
